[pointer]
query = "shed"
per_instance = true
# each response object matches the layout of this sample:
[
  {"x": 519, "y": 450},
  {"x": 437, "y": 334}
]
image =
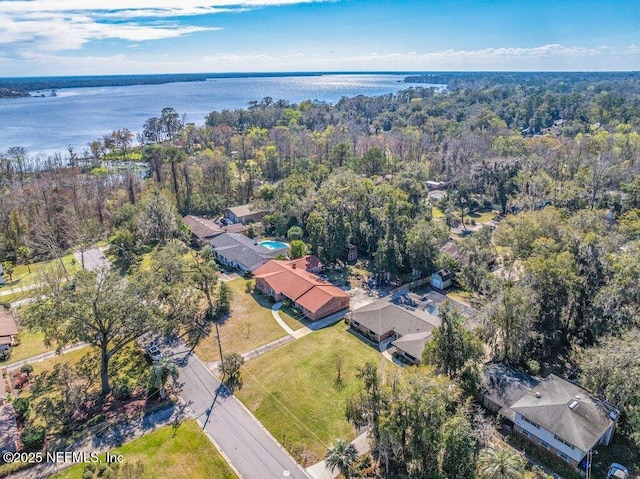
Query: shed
[
  {"x": 352, "y": 253},
  {"x": 442, "y": 279}
]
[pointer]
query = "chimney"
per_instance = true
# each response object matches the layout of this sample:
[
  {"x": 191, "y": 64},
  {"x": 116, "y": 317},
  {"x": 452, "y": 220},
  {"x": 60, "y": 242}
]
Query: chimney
[{"x": 294, "y": 265}]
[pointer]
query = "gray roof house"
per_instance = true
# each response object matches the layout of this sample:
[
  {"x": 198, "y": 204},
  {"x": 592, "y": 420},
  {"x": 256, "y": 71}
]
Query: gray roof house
[
  {"x": 397, "y": 318},
  {"x": 244, "y": 214},
  {"x": 555, "y": 414},
  {"x": 502, "y": 386},
  {"x": 202, "y": 228},
  {"x": 239, "y": 251}
]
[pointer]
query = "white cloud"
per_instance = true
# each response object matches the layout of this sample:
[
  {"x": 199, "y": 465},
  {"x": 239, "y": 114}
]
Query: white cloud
[
  {"x": 61, "y": 32},
  {"x": 55, "y": 25},
  {"x": 545, "y": 57}
]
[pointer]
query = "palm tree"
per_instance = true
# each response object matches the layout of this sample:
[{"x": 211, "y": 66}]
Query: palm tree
[
  {"x": 500, "y": 463},
  {"x": 341, "y": 455},
  {"x": 161, "y": 371}
]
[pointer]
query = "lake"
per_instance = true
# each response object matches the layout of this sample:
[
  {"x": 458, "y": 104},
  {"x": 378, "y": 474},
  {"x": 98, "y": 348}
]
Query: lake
[{"x": 77, "y": 116}]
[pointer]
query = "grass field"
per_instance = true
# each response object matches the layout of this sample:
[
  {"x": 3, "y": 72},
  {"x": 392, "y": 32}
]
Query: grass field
[
  {"x": 436, "y": 213},
  {"x": 22, "y": 277},
  {"x": 31, "y": 344},
  {"x": 168, "y": 453},
  {"x": 292, "y": 390},
  {"x": 249, "y": 325},
  {"x": 287, "y": 316},
  {"x": 480, "y": 216}
]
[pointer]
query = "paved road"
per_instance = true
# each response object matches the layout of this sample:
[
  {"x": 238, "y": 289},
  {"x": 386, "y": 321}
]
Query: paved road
[{"x": 242, "y": 439}]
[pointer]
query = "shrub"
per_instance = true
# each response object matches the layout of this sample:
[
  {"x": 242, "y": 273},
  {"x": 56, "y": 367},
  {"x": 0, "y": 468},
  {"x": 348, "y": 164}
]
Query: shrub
[
  {"x": 21, "y": 406},
  {"x": 27, "y": 369},
  {"x": 534, "y": 367},
  {"x": 122, "y": 390},
  {"x": 33, "y": 437},
  {"x": 103, "y": 470},
  {"x": 295, "y": 233},
  {"x": 248, "y": 287}
]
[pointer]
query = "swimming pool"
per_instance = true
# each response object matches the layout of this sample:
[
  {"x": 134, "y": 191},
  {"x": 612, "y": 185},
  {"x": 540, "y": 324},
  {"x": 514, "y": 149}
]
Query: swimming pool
[{"x": 274, "y": 244}]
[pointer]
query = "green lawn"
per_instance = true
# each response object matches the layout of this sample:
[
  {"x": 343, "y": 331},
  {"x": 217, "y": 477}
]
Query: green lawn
[
  {"x": 292, "y": 390},
  {"x": 168, "y": 453},
  {"x": 22, "y": 277},
  {"x": 249, "y": 325},
  {"x": 436, "y": 213},
  {"x": 31, "y": 344},
  {"x": 480, "y": 216},
  {"x": 287, "y": 316}
]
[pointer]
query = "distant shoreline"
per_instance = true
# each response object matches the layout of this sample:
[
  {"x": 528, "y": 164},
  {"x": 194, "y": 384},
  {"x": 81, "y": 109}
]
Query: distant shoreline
[{"x": 14, "y": 87}]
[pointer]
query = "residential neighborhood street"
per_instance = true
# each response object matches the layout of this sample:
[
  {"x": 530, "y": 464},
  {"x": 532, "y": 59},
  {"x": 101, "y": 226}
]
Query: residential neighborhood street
[{"x": 242, "y": 439}]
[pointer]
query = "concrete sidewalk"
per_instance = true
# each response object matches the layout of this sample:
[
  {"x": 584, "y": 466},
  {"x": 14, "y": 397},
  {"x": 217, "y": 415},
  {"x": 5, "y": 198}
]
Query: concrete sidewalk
[
  {"x": 41, "y": 357},
  {"x": 314, "y": 326},
  {"x": 21, "y": 289}
]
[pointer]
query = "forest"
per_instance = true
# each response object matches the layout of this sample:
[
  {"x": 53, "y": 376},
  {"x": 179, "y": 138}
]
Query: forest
[{"x": 553, "y": 158}]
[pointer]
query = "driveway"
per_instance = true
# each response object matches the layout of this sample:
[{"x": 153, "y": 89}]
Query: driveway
[
  {"x": 245, "y": 443},
  {"x": 93, "y": 259}
]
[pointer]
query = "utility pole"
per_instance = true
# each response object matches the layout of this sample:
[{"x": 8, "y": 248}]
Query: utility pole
[{"x": 220, "y": 349}]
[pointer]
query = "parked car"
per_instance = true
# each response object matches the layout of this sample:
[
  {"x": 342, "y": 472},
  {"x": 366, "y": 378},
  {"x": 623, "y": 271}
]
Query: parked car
[
  {"x": 617, "y": 471},
  {"x": 154, "y": 352}
]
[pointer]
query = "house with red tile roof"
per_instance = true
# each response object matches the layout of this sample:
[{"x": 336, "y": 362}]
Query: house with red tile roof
[{"x": 293, "y": 280}]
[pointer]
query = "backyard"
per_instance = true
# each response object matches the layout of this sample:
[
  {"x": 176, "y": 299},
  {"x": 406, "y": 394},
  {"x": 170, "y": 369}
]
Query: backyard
[
  {"x": 294, "y": 392},
  {"x": 170, "y": 453}
]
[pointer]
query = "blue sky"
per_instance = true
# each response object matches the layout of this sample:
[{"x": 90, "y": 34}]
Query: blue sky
[{"x": 71, "y": 37}]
